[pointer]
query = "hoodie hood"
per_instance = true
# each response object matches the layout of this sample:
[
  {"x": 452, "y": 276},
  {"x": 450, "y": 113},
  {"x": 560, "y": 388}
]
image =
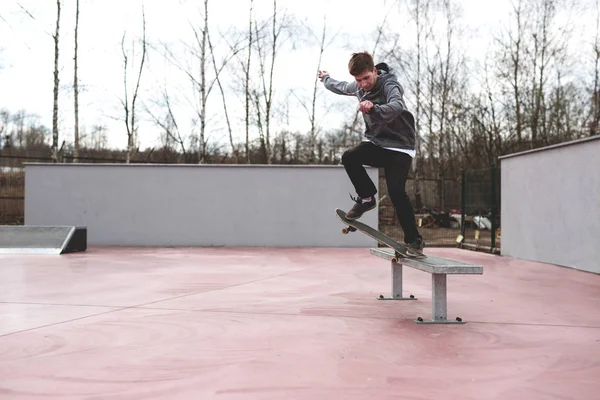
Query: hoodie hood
[
  {"x": 383, "y": 68},
  {"x": 384, "y": 74}
]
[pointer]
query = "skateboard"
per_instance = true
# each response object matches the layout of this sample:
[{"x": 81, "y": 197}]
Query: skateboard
[{"x": 354, "y": 225}]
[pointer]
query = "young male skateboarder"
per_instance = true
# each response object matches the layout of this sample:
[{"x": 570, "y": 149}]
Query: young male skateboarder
[{"x": 389, "y": 140}]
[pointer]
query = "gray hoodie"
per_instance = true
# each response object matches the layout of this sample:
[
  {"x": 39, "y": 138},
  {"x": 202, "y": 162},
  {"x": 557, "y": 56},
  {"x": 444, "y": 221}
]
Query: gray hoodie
[{"x": 389, "y": 123}]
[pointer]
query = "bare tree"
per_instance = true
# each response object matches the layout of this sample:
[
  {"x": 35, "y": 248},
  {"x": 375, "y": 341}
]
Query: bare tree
[
  {"x": 429, "y": 113},
  {"x": 594, "y": 117},
  {"x": 56, "y": 85},
  {"x": 547, "y": 48},
  {"x": 130, "y": 120},
  {"x": 235, "y": 50},
  {"x": 171, "y": 134},
  {"x": 313, "y": 126},
  {"x": 266, "y": 60},
  {"x": 495, "y": 124},
  {"x": 97, "y": 139},
  {"x": 201, "y": 40},
  {"x": 246, "y": 68},
  {"x": 449, "y": 86},
  {"x": 76, "y": 86},
  {"x": 4, "y": 121},
  {"x": 310, "y": 104},
  {"x": 512, "y": 66},
  {"x": 197, "y": 70},
  {"x": 531, "y": 54},
  {"x": 419, "y": 15}
]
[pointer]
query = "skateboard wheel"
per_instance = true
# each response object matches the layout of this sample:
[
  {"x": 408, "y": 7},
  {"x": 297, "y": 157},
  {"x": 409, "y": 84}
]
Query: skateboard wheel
[
  {"x": 412, "y": 296},
  {"x": 381, "y": 296},
  {"x": 459, "y": 319},
  {"x": 420, "y": 319},
  {"x": 395, "y": 260},
  {"x": 345, "y": 231}
]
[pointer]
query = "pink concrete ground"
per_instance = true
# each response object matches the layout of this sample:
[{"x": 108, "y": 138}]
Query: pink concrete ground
[{"x": 120, "y": 323}]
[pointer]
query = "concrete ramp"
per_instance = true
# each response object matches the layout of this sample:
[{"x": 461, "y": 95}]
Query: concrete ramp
[{"x": 42, "y": 239}]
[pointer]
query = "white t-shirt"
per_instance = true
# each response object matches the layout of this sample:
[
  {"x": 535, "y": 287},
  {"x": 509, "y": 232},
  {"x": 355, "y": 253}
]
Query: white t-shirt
[{"x": 411, "y": 153}]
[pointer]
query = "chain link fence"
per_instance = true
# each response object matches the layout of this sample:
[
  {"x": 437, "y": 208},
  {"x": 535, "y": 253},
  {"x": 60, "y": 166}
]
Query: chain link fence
[
  {"x": 480, "y": 217},
  {"x": 436, "y": 202},
  {"x": 462, "y": 212}
]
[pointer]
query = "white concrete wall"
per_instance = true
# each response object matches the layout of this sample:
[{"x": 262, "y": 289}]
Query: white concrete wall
[
  {"x": 551, "y": 205},
  {"x": 196, "y": 205}
]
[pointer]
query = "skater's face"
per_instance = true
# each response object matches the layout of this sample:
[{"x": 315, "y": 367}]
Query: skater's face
[{"x": 366, "y": 80}]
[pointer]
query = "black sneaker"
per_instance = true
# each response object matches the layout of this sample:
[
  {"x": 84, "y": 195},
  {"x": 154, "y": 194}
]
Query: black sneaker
[
  {"x": 360, "y": 208},
  {"x": 415, "y": 248}
]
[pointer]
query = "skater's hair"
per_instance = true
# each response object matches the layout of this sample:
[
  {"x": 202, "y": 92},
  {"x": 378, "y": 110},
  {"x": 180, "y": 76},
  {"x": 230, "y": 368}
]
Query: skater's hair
[{"x": 360, "y": 62}]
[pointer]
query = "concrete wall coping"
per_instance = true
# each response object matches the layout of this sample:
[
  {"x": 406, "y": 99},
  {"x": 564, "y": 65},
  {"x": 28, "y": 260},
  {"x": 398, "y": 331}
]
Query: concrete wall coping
[
  {"x": 552, "y": 147},
  {"x": 175, "y": 165}
]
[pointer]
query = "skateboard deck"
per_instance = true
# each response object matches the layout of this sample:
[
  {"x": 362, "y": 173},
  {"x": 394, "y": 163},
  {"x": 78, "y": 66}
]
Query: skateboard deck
[{"x": 354, "y": 225}]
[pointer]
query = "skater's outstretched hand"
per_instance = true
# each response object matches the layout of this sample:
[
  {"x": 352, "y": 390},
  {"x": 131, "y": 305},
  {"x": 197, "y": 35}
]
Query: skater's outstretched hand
[
  {"x": 322, "y": 74},
  {"x": 365, "y": 106}
]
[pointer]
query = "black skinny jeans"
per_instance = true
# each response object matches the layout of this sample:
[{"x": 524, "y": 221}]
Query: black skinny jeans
[{"x": 396, "y": 165}]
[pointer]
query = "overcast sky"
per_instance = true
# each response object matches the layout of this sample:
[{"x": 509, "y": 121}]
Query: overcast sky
[{"x": 27, "y": 53}]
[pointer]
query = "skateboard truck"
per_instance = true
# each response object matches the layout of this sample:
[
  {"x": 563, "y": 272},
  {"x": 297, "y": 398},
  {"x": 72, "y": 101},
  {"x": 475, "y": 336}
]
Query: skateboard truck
[
  {"x": 397, "y": 256},
  {"x": 348, "y": 230}
]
